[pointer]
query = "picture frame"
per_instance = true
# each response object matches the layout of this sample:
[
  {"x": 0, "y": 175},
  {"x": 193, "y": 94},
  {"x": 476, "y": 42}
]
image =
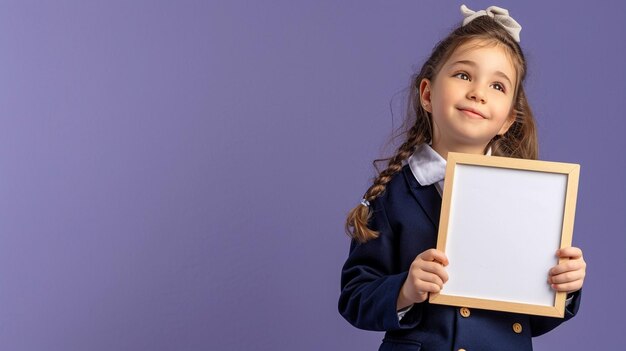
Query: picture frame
[{"x": 502, "y": 221}]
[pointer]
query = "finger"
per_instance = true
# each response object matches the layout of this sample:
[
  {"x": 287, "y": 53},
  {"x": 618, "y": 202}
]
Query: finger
[
  {"x": 435, "y": 268},
  {"x": 430, "y": 278},
  {"x": 571, "y": 252},
  {"x": 426, "y": 287},
  {"x": 434, "y": 255},
  {"x": 567, "y": 277},
  {"x": 568, "y": 266},
  {"x": 568, "y": 287}
]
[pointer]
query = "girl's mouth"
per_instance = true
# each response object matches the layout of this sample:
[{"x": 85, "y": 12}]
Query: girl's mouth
[{"x": 471, "y": 113}]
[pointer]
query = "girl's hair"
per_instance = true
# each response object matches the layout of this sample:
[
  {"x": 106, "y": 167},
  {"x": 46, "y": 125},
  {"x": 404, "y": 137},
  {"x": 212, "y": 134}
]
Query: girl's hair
[{"x": 519, "y": 141}]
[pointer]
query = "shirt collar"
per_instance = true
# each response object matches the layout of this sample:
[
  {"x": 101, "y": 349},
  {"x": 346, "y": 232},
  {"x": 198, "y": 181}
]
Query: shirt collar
[{"x": 427, "y": 166}]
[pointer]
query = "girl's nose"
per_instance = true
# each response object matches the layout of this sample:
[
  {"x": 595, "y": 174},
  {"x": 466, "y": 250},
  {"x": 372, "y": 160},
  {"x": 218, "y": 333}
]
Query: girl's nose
[{"x": 477, "y": 95}]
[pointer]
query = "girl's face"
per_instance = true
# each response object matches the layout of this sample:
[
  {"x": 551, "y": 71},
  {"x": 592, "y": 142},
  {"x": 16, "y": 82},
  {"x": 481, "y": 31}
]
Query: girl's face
[{"x": 471, "y": 98}]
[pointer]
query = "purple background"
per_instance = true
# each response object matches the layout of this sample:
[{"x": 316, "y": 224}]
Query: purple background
[{"x": 175, "y": 176}]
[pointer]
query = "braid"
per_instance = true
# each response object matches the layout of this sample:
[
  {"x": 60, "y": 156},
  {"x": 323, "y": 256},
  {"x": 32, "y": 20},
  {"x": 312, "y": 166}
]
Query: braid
[{"x": 356, "y": 224}]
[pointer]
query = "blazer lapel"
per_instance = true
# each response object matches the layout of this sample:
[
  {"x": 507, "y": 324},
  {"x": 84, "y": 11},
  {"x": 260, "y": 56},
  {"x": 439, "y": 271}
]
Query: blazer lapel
[{"x": 427, "y": 196}]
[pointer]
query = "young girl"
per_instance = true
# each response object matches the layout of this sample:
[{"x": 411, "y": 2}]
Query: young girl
[{"x": 468, "y": 97}]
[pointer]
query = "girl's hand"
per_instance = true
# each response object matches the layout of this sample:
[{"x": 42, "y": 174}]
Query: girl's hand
[
  {"x": 426, "y": 275},
  {"x": 568, "y": 276}
]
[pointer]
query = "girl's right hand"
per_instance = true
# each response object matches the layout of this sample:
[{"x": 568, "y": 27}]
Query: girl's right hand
[{"x": 426, "y": 275}]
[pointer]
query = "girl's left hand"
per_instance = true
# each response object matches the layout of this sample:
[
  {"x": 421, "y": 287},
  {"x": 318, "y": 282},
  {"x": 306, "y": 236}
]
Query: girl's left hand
[{"x": 568, "y": 276}]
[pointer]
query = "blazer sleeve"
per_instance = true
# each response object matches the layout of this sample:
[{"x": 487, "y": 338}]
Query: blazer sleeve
[
  {"x": 371, "y": 280},
  {"x": 540, "y": 325}
]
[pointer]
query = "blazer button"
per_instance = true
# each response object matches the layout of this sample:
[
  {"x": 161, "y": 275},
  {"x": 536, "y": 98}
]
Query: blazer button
[
  {"x": 517, "y": 328},
  {"x": 465, "y": 312}
]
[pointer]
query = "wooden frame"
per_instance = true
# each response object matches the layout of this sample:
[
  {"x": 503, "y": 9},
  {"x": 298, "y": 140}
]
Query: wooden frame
[{"x": 502, "y": 220}]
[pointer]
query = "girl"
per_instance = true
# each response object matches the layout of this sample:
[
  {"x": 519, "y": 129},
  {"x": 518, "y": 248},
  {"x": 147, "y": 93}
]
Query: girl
[{"x": 468, "y": 97}]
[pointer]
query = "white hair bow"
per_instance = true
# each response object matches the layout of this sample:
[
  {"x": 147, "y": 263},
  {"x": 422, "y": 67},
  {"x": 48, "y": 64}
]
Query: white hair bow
[{"x": 499, "y": 14}]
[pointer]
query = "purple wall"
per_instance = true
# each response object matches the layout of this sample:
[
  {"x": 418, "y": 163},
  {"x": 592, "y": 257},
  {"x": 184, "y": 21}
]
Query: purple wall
[{"x": 175, "y": 176}]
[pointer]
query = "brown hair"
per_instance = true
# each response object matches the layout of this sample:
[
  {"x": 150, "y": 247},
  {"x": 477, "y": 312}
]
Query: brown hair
[{"x": 519, "y": 141}]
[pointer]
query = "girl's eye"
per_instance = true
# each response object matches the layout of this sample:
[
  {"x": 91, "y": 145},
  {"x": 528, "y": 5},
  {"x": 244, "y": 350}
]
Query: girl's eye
[
  {"x": 499, "y": 86},
  {"x": 462, "y": 75}
]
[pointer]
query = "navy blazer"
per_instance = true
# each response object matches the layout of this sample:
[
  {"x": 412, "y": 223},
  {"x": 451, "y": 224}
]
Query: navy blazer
[{"x": 407, "y": 217}]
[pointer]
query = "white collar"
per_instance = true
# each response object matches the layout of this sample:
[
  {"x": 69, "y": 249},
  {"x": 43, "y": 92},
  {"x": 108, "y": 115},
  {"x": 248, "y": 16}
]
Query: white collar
[{"x": 428, "y": 167}]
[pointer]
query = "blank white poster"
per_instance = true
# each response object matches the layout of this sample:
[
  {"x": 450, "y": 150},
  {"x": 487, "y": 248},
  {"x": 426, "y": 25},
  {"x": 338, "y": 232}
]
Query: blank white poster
[{"x": 504, "y": 228}]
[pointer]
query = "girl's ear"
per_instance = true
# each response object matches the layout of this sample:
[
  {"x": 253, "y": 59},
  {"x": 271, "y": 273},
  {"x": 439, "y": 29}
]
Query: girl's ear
[
  {"x": 508, "y": 123},
  {"x": 425, "y": 87}
]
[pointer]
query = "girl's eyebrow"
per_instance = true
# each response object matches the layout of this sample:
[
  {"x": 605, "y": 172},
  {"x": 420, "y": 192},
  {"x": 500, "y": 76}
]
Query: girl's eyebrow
[{"x": 473, "y": 64}]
